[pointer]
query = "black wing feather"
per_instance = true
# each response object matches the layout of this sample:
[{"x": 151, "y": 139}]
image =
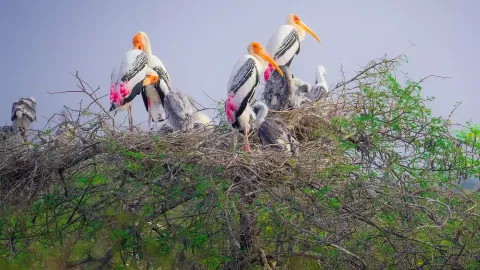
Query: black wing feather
[
  {"x": 138, "y": 65},
  {"x": 137, "y": 89},
  {"x": 145, "y": 98},
  {"x": 163, "y": 75},
  {"x": 287, "y": 43},
  {"x": 243, "y": 74}
]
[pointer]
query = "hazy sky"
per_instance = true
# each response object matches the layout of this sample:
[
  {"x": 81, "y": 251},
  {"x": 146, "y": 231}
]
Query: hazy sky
[{"x": 200, "y": 41}]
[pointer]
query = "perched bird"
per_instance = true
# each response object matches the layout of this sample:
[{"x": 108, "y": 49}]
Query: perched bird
[
  {"x": 126, "y": 81},
  {"x": 179, "y": 111},
  {"x": 320, "y": 89},
  {"x": 141, "y": 41},
  {"x": 241, "y": 86},
  {"x": 154, "y": 97},
  {"x": 279, "y": 91},
  {"x": 285, "y": 43},
  {"x": 273, "y": 132},
  {"x": 23, "y": 114}
]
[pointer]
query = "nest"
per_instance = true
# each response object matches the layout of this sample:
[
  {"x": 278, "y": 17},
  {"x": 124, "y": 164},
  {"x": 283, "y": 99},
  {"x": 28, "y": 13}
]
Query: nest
[{"x": 28, "y": 171}]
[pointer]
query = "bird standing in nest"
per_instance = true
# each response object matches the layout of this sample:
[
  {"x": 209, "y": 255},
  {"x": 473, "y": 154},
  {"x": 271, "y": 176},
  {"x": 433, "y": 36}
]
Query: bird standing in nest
[
  {"x": 179, "y": 111},
  {"x": 243, "y": 80},
  {"x": 23, "y": 114}
]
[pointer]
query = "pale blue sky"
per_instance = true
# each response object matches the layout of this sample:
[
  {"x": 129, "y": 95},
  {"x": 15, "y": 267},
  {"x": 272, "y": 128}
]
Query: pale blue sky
[{"x": 200, "y": 41}]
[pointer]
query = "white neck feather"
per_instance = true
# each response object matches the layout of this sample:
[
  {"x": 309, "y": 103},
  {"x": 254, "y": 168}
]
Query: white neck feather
[
  {"x": 148, "y": 49},
  {"x": 301, "y": 32}
]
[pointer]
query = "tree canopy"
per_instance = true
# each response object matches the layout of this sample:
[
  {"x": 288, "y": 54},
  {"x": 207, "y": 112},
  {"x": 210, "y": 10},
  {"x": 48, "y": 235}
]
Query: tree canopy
[{"x": 375, "y": 186}]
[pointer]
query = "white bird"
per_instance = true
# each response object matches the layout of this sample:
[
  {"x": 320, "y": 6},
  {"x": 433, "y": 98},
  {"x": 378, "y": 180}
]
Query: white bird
[
  {"x": 23, "y": 114},
  {"x": 154, "y": 97},
  {"x": 285, "y": 43},
  {"x": 241, "y": 86},
  {"x": 179, "y": 111},
  {"x": 126, "y": 81},
  {"x": 273, "y": 132},
  {"x": 141, "y": 41},
  {"x": 320, "y": 89}
]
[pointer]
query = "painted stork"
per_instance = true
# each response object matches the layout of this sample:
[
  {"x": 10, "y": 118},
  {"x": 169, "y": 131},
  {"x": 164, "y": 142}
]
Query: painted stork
[
  {"x": 243, "y": 80},
  {"x": 141, "y": 41},
  {"x": 153, "y": 95},
  {"x": 273, "y": 132},
  {"x": 23, "y": 114},
  {"x": 179, "y": 111},
  {"x": 285, "y": 43},
  {"x": 320, "y": 89},
  {"x": 126, "y": 81}
]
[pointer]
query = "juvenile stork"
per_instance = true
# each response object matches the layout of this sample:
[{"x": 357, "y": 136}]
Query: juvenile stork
[
  {"x": 320, "y": 89},
  {"x": 23, "y": 114},
  {"x": 243, "y": 80},
  {"x": 285, "y": 43},
  {"x": 273, "y": 132},
  {"x": 279, "y": 91},
  {"x": 163, "y": 83},
  {"x": 179, "y": 111}
]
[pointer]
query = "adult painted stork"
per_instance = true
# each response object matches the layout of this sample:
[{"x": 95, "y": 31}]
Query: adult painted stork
[
  {"x": 320, "y": 89},
  {"x": 126, "y": 81},
  {"x": 243, "y": 80},
  {"x": 285, "y": 43},
  {"x": 179, "y": 111},
  {"x": 153, "y": 95},
  {"x": 273, "y": 132},
  {"x": 141, "y": 41},
  {"x": 23, "y": 114}
]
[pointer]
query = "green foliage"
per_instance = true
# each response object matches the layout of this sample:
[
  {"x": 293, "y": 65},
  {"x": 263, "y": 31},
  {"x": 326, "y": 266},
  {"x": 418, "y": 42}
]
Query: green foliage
[{"x": 384, "y": 199}]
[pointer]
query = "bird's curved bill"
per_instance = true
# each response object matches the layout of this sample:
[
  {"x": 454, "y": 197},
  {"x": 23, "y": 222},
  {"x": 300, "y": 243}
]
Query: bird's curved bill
[
  {"x": 149, "y": 80},
  {"x": 267, "y": 58},
  {"x": 304, "y": 26}
]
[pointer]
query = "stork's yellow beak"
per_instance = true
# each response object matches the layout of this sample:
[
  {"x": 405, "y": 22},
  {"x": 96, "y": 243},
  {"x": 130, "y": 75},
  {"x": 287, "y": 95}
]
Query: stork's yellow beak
[
  {"x": 150, "y": 79},
  {"x": 267, "y": 58},
  {"x": 306, "y": 28}
]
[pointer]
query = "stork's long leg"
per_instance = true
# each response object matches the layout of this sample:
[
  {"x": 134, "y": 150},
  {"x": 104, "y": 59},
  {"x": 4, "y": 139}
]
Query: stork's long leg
[
  {"x": 149, "y": 115},
  {"x": 130, "y": 118},
  {"x": 245, "y": 137}
]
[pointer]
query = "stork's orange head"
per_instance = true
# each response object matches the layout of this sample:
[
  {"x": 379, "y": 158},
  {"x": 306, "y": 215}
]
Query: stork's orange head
[
  {"x": 256, "y": 49},
  {"x": 138, "y": 41}
]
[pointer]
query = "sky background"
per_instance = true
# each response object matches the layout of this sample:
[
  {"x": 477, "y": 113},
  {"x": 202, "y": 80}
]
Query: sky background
[{"x": 200, "y": 41}]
